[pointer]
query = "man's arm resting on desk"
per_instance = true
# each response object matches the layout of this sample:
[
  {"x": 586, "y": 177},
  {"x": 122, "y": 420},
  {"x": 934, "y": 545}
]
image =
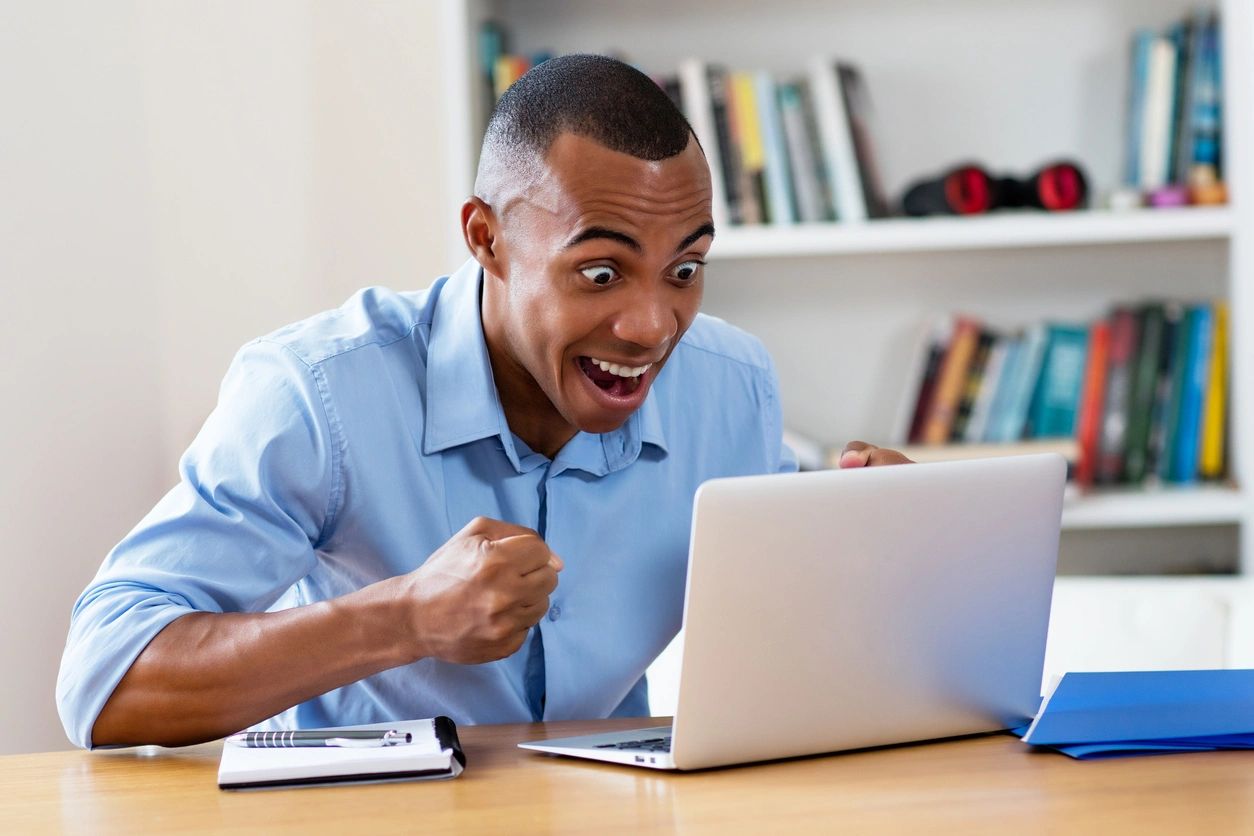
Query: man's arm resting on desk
[{"x": 207, "y": 675}]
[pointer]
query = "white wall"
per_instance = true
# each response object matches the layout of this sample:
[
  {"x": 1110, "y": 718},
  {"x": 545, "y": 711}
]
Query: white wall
[{"x": 176, "y": 178}]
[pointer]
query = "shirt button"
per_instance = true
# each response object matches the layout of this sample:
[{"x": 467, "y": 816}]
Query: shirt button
[{"x": 555, "y": 612}]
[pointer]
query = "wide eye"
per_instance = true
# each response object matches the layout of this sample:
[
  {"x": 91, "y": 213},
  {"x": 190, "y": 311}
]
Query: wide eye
[
  {"x": 688, "y": 271},
  {"x": 599, "y": 275}
]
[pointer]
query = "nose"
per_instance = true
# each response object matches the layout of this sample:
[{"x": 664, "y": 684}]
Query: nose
[{"x": 647, "y": 319}]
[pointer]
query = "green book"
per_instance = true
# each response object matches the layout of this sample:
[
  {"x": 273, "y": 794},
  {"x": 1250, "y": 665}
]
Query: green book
[
  {"x": 1141, "y": 399},
  {"x": 1171, "y": 420}
]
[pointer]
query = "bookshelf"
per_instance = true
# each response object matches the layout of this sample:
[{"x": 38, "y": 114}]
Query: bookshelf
[{"x": 1012, "y": 85}]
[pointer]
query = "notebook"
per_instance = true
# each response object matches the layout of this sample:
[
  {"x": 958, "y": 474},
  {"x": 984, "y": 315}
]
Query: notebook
[
  {"x": 434, "y": 753},
  {"x": 1093, "y": 715}
]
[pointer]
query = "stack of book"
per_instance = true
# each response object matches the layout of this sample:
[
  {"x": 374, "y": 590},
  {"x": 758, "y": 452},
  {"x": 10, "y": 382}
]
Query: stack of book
[
  {"x": 1143, "y": 393},
  {"x": 1173, "y": 153},
  {"x": 783, "y": 151}
]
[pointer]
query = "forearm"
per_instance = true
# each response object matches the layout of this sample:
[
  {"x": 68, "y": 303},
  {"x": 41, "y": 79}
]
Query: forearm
[{"x": 210, "y": 674}]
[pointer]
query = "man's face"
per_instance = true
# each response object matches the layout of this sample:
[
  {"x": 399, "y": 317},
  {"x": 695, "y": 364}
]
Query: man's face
[{"x": 603, "y": 263}]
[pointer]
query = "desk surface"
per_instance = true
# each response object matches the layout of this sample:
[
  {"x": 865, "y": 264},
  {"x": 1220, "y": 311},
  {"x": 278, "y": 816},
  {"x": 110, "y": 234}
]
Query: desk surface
[{"x": 983, "y": 784}]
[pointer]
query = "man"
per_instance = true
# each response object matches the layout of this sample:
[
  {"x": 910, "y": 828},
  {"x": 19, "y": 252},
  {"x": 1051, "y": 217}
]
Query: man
[{"x": 372, "y": 523}]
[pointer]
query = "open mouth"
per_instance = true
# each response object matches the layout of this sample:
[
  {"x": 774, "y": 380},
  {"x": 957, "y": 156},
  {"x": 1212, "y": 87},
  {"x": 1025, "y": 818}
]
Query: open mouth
[{"x": 617, "y": 380}]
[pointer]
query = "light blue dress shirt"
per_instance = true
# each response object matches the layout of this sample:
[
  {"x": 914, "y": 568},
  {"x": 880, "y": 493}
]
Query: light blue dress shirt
[{"x": 348, "y": 447}]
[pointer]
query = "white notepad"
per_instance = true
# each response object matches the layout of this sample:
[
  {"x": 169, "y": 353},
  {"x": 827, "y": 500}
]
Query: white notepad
[{"x": 434, "y": 753}]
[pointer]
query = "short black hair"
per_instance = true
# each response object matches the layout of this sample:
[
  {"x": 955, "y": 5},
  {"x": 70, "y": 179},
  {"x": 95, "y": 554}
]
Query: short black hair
[{"x": 592, "y": 96}]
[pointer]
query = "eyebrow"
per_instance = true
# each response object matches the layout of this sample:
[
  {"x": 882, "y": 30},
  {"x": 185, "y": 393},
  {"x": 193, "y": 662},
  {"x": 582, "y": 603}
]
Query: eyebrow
[{"x": 600, "y": 232}]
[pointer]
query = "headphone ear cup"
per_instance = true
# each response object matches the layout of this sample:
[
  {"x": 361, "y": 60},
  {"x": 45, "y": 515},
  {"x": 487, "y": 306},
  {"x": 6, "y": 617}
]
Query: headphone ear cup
[{"x": 965, "y": 190}]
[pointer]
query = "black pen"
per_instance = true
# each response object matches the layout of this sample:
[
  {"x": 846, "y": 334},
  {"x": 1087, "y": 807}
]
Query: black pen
[{"x": 339, "y": 739}]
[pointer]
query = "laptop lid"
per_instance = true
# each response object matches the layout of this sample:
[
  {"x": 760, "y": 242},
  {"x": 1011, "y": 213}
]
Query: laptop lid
[{"x": 851, "y": 608}]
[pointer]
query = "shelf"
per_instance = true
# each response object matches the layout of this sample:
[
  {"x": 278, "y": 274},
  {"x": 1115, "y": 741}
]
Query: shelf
[
  {"x": 1154, "y": 508},
  {"x": 994, "y": 231}
]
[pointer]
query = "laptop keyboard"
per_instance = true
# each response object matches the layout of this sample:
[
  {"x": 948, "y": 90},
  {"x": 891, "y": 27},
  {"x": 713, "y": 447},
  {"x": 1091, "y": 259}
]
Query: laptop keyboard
[{"x": 652, "y": 744}]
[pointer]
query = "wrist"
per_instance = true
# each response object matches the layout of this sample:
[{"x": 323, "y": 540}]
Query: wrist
[{"x": 383, "y": 614}]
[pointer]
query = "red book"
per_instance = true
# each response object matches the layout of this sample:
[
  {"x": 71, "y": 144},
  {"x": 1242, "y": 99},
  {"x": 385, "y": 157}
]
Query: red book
[{"x": 1088, "y": 428}]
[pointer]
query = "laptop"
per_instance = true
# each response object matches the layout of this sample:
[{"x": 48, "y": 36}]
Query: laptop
[{"x": 847, "y": 609}]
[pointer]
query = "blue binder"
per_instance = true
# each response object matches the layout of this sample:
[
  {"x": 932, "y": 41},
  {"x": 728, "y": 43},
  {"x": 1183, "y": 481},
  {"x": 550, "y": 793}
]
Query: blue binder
[{"x": 1093, "y": 715}]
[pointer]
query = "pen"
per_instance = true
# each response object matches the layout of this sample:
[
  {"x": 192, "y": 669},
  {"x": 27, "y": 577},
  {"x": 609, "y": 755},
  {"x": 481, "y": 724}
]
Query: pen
[{"x": 339, "y": 739}]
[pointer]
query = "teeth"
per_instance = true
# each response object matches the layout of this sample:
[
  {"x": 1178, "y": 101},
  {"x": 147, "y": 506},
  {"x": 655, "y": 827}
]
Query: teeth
[{"x": 621, "y": 371}]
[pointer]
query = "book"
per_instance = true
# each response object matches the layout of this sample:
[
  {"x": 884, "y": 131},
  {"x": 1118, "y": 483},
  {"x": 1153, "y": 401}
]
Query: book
[
  {"x": 434, "y": 753},
  {"x": 1214, "y": 408},
  {"x": 1011, "y": 421},
  {"x": 1057, "y": 397},
  {"x": 720, "y": 104},
  {"x": 1003, "y": 392},
  {"x": 1142, "y": 393},
  {"x": 807, "y": 177},
  {"x": 778, "y": 175},
  {"x": 836, "y": 139},
  {"x": 1114, "y": 434},
  {"x": 1175, "y": 399},
  {"x": 971, "y": 386},
  {"x": 1196, "y": 365},
  {"x": 1172, "y": 313},
  {"x": 921, "y": 382},
  {"x": 1091, "y": 402},
  {"x": 1141, "y": 43},
  {"x": 857, "y": 103},
  {"x": 977, "y": 426},
  {"x": 950, "y": 380},
  {"x": 1155, "y": 151},
  {"x": 1109, "y": 713},
  {"x": 746, "y": 139},
  {"x": 698, "y": 107}
]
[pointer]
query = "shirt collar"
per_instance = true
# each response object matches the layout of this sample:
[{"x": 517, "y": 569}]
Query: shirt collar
[{"x": 462, "y": 404}]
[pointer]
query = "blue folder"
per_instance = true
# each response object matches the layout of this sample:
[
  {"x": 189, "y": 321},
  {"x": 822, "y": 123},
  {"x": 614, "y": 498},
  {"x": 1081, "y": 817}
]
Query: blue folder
[{"x": 1093, "y": 715}]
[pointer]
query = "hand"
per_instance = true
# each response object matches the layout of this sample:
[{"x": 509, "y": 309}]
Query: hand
[
  {"x": 477, "y": 596},
  {"x": 861, "y": 454}
]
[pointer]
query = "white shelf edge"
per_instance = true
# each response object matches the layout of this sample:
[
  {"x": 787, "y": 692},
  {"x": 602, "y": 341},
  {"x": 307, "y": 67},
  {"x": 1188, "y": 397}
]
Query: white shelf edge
[
  {"x": 995, "y": 231},
  {"x": 1155, "y": 508}
]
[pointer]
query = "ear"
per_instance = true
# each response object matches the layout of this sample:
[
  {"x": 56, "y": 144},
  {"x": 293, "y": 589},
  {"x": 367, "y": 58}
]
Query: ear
[{"x": 480, "y": 228}]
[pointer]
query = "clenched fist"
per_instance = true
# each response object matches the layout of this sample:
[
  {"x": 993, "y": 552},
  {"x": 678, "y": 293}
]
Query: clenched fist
[{"x": 477, "y": 596}]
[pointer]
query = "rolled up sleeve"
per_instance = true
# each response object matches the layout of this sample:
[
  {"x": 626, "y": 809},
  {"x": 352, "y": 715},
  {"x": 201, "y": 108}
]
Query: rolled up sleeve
[{"x": 258, "y": 490}]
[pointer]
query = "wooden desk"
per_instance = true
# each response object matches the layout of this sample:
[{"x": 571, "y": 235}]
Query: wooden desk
[{"x": 986, "y": 784}]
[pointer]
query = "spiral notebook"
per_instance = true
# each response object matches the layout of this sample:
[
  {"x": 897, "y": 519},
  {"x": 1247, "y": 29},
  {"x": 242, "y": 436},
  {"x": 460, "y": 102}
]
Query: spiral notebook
[{"x": 434, "y": 753}]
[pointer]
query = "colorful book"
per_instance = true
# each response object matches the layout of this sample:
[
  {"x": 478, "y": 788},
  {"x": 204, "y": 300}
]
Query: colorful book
[
  {"x": 1172, "y": 314},
  {"x": 977, "y": 426},
  {"x": 698, "y": 107},
  {"x": 1196, "y": 367},
  {"x": 1141, "y": 43},
  {"x": 1004, "y": 386},
  {"x": 778, "y": 176},
  {"x": 1114, "y": 435},
  {"x": 836, "y": 139},
  {"x": 803, "y": 168},
  {"x": 1175, "y": 400},
  {"x": 971, "y": 387},
  {"x": 1155, "y": 153},
  {"x": 1091, "y": 402},
  {"x": 729, "y": 156},
  {"x": 746, "y": 138},
  {"x": 919, "y": 385},
  {"x": 1142, "y": 393},
  {"x": 1056, "y": 399},
  {"x": 858, "y": 110},
  {"x": 1215, "y": 405},
  {"x": 1009, "y": 424},
  {"x": 950, "y": 380}
]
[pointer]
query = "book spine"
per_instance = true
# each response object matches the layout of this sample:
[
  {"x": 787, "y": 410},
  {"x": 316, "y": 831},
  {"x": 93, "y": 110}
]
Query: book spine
[
  {"x": 697, "y": 106},
  {"x": 1004, "y": 392},
  {"x": 1015, "y": 417},
  {"x": 1175, "y": 401},
  {"x": 949, "y": 383},
  {"x": 837, "y": 142},
  {"x": 1141, "y": 43},
  {"x": 858, "y": 109},
  {"x": 777, "y": 174},
  {"x": 1087, "y": 432},
  {"x": 1057, "y": 397},
  {"x": 805, "y": 184},
  {"x": 1216, "y": 403},
  {"x": 1197, "y": 365},
  {"x": 1162, "y": 391},
  {"x": 747, "y": 137},
  {"x": 728, "y": 154},
  {"x": 917, "y": 391},
  {"x": 1141, "y": 396},
  {"x": 1156, "y": 129},
  {"x": 971, "y": 386},
  {"x": 1123, "y": 341},
  {"x": 991, "y": 379}
]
